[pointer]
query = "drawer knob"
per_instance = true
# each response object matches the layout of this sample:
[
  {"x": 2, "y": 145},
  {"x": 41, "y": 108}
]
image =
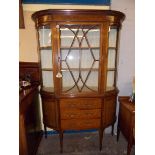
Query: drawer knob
[{"x": 72, "y": 115}]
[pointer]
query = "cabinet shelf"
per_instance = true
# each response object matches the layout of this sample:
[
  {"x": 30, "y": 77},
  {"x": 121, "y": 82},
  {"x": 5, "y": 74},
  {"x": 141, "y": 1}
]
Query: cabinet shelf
[
  {"x": 66, "y": 47},
  {"x": 112, "y": 48},
  {"x": 50, "y": 47},
  {"x": 47, "y": 69},
  {"x": 110, "y": 88},
  {"x": 51, "y": 89},
  {"x": 46, "y": 48},
  {"x": 77, "y": 69},
  {"x": 72, "y": 69},
  {"x": 111, "y": 69}
]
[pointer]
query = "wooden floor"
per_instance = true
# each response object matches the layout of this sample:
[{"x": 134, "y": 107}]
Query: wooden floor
[{"x": 84, "y": 144}]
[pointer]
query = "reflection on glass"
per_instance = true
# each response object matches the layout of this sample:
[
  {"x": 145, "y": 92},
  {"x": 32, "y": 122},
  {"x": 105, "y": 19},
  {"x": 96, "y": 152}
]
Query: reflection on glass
[
  {"x": 70, "y": 58},
  {"x": 45, "y": 36}
]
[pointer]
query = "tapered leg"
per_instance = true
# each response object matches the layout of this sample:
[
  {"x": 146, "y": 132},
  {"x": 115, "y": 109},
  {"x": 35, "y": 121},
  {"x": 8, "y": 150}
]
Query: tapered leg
[
  {"x": 118, "y": 133},
  {"x": 61, "y": 141},
  {"x": 45, "y": 129},
  {"x": 112, "y": 129},
  {"x": 129, "y": 149},
  {"x": 100, "y": 138}
]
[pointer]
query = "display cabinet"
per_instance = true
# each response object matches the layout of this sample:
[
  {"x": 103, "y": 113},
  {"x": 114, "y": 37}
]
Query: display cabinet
[{"x": 78, "y": 60}]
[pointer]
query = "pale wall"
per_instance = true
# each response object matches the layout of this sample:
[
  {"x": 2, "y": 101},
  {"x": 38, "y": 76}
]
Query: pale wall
[
  {"x": 27, "y": 40},
  {"x": 126, "y": 65}
]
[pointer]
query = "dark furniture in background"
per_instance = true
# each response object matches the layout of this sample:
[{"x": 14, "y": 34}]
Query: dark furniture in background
[
  {"x": 30, "y": 70},
  {"x": 30, "y": 132},
  {"x": 21, "y": 16},
  {"x": 126, "y": 121},
  {"x": 78, "y": 52}
]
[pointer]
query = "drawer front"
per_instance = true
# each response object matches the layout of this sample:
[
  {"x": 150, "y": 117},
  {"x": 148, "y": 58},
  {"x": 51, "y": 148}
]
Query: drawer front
[
  {"x": 77, "y": 124},
  {"x": 80, "y": 103},
  {"x": 74, "y": 114}
]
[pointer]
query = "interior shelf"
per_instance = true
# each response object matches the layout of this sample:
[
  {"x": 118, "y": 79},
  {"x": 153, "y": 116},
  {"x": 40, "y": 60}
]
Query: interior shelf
[
  {"x": 110, "y": 88},
  {"x": 48, "y": 89},
  {"x": 63, "y": 47},
  {"x": 66, "y": 47},
  {"x": 51, "y": 89},
  {"x": 77, "y": 69},
  {"x": 47, "y": 69},
  {"x": 46, "y": 48},
  {"x": 112, "y": 48},
  {"x": 111, "y": 69}
]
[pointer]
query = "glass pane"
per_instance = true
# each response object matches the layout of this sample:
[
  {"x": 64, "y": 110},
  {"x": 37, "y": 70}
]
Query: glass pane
[
  {"x": 112, "y": 37},
  {"x": 47, "y": 78},
  {"x": 45, "y": 36},
  {"x": 84, "y": 81},
  {"x": 46, "y": 58},
  {"x": 86, "y": 59},
  {"x": 70, "y": 58},
  {"x": 75, "y": 35},
  {"x": 110, "y": 78},
  {"x": 111, "y": 58},
  {"x": 66, "y": 37},
  {"x": 67, "y": 80},
  {"x": 94, "y": 37},
  {"x": 92, "y": 82},
  {"x": 80, "y": 50}
]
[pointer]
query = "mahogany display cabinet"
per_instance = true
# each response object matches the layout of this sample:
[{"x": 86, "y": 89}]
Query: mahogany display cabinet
[{"x": 78, "y": 60}]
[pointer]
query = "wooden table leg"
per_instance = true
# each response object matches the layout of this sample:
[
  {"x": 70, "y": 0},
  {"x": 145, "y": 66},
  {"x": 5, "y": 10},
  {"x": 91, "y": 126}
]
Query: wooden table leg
[
  {"x": 129, "y": 148},
  {"x": 100, "y": 138},
  {"x": 45, "y": 129},
  {"x": 61, "y": 141},
  {"x": 112, "y": 130},
  {"x": 118, "y": 132}
]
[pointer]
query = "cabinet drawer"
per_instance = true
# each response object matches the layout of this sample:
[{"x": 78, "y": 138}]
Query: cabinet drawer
[
  {"x": 86, "y": 103},
  {"x": 73, "y": 113},
  {"x": 78, "y": 124}
]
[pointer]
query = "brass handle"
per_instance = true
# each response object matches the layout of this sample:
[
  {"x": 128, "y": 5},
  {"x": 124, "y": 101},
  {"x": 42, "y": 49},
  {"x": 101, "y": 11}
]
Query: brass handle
[{"x": 59, "y": 75}]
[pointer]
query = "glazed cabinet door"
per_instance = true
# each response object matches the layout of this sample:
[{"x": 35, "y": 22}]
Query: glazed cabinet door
[{"x": 80, "y": 57}]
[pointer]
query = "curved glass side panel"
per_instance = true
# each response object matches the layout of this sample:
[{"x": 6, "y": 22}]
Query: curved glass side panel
[
  {"x": 46, "y": 59},
  {"x": 110, "y": 79},
  {"x": 112, "y": 37},
  {"x": 45, "y": 36},
  {"x": 112, "y": 56},
  {"x": 47, "y": 77},
  {"x": 45, "y": 39}
]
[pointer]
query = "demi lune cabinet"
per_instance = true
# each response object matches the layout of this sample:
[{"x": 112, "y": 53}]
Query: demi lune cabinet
[{"x": 78, "y": 52}]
